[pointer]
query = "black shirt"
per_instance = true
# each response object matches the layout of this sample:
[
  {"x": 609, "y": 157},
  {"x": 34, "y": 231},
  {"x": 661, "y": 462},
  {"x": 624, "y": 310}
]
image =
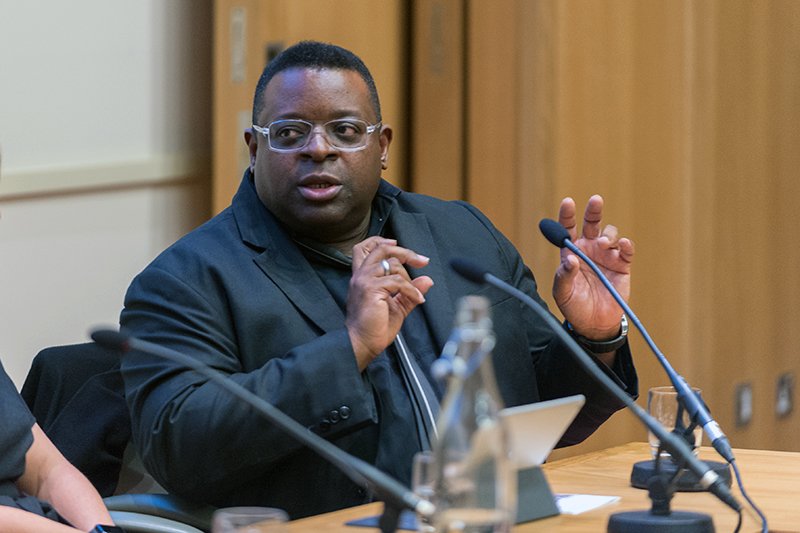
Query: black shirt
[
  {"x": 16, "y": 439},
  {"x": 398, "y": 434}
]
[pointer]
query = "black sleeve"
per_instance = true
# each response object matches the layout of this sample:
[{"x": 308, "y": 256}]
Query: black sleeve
[{"x": 15, "y": 437}]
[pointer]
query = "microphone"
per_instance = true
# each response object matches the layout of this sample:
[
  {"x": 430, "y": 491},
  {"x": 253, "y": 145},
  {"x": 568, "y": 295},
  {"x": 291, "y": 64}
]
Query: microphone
[
  {"x": 554, "y": 232},
  {"x": 394, "y": 495},
  {"x": 709, "y": 479},
  {"x": 559, "y": 236}
]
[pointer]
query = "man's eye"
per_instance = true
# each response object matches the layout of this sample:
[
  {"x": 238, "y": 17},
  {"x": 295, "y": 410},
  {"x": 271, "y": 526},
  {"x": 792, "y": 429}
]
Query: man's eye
[
  {"x": 289, "y": 132},
  {"x": 346, "y": 129}
]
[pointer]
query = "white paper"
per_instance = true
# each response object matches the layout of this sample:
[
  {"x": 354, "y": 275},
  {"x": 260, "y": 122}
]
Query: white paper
[{"x": 580, "y": 503}]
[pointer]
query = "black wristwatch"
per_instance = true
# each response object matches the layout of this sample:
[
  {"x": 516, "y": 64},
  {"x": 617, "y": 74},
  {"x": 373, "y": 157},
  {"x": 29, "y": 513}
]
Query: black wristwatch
[
  {"x": 611, "y": 345},
  {"x": 100, "y": 528}
]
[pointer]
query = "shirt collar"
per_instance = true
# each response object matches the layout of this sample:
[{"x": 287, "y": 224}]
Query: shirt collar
[{"x": 382, "y": 206}]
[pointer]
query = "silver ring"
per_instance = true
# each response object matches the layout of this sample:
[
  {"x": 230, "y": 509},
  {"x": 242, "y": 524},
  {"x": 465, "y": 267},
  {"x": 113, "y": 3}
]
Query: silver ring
[{"x": 387, "y": 268}]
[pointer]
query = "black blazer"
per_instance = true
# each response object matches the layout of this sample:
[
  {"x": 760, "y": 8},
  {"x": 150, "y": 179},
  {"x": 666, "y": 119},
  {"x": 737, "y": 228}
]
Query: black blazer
[{"x": 239, "y": 295}]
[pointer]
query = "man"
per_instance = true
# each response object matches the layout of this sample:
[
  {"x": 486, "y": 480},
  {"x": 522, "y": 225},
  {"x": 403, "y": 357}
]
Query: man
[{"x": 326, "y": 291}]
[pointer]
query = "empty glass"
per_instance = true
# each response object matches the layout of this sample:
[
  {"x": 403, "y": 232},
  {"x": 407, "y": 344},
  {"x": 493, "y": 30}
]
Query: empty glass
[
  {"x": 662, "y": 404},
  {"x": 249, "y": 520},
  {"x": 423, "y": 481}
]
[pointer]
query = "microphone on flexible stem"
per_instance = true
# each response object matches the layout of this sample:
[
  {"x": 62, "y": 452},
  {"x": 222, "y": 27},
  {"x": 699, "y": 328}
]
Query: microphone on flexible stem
[
  {"x": 559, "y": 236},
  {"x": 709, "y": 479},
  {"x": 395, "y": 496}
]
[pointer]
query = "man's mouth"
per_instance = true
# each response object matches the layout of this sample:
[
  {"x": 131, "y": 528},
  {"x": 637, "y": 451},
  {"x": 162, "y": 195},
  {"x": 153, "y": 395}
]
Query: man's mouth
[{"x": 319, "y": 188}]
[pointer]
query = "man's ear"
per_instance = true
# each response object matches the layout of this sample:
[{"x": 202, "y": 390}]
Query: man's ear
[
  {"x": 385, "y": 140},
  {"x": 252, "y": 147}
]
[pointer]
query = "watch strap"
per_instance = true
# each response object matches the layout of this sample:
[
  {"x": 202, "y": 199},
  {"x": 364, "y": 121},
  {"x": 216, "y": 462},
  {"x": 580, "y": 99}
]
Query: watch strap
[
  {"x": 101, "y": 528},
  {"x": 607, "y": 346}
]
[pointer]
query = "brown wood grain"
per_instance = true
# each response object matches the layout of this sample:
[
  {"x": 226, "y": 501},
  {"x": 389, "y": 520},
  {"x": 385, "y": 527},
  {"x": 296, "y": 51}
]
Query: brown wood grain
[{"x": 771, "y": 478}]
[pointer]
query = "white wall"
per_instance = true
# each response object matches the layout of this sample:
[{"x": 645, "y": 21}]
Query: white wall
[{"x": 105, "y": 127}]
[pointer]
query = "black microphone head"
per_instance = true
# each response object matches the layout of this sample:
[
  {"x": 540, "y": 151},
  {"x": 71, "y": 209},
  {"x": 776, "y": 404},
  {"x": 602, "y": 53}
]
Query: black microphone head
[
  {"x": 468, "y": 270},
  {"x": 554, "y": 232},
  {"x": 109, "y": 338}
]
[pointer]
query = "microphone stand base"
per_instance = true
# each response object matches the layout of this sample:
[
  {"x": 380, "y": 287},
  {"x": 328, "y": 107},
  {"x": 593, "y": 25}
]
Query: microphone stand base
[
  {"x": 646, "y": 521},
  {"x": 643, "y": 471},
  {"x": 390, "y": 518}
]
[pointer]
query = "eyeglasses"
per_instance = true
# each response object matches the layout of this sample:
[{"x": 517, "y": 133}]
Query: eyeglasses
[{"x": 346, "y": 134}]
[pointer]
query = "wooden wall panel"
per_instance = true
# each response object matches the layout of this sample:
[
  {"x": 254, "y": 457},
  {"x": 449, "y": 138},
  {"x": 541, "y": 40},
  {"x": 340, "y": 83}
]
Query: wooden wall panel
[
  {"x": 376, "y": 31},
  {"x": 617, "y": 130},
  {"x": 683, "y": 115},
  {"x": 491, "y": 111},
  {"x": 536, "y": 159},
  {"x": 755, "y": 290},
  {"x": 437, "y": 103},
  {"x": 783, "y": 109},
  {"x": 234, "y": 44}
]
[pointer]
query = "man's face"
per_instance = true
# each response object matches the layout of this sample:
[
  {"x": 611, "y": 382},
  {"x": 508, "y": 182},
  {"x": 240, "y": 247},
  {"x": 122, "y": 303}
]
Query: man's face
[{"x": 318, "y": 191}]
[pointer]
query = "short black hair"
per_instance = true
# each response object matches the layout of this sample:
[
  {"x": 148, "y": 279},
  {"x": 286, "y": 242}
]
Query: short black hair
[{"x": 314, "y": 55}]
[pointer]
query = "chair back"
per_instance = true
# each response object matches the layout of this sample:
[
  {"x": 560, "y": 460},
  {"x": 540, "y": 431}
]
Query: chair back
[{"x": 77, "y": 396}]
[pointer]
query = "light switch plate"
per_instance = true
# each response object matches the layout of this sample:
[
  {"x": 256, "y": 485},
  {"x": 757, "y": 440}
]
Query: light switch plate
[
  {"x": 784, "y": 395},
  {"x": 743, "y": 404}
]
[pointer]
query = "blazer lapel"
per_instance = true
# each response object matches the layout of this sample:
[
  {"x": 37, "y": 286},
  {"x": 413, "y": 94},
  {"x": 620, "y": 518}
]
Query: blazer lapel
[
  {"x": 412, "y": 231},
  {"x": 281, "y": 260},
  {"x": 286, "y": 266}
]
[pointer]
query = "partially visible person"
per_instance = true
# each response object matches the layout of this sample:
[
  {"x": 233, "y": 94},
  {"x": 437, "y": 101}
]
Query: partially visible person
[{"x": 40, "y": 491}]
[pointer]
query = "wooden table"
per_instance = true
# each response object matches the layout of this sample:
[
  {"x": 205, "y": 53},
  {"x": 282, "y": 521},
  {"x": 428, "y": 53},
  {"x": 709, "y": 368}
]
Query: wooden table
[{"x": 772, "y": 479}]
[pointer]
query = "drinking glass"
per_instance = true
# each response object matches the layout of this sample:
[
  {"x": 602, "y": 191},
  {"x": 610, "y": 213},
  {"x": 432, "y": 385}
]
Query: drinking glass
[
  {"x": 249, "y": 520},
  {"x": 423, "y": 481},
  {"x": 662, "y": 404}
]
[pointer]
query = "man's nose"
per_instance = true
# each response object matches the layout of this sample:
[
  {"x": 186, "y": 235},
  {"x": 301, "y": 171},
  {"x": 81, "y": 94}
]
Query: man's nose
[{"x": 318, "y": 144}]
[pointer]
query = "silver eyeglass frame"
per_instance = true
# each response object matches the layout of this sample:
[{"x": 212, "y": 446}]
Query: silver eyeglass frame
[{"x": 370, "y": 129}]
